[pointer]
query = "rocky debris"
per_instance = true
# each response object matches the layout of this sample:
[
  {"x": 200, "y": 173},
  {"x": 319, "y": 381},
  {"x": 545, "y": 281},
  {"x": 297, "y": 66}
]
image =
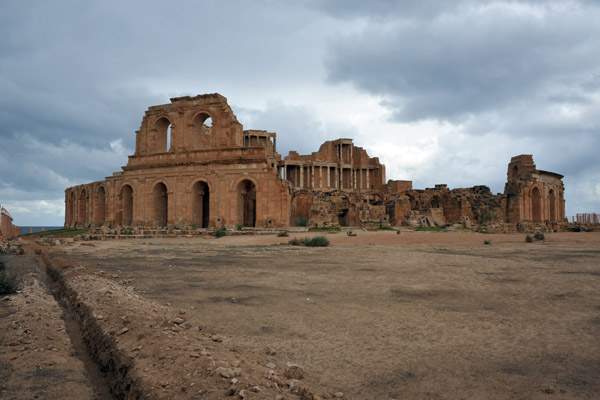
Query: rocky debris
[
  {"x": 34, "y": 343},
  {"x": 157, "y": 354},
  {"x": 293, "y": 371}
]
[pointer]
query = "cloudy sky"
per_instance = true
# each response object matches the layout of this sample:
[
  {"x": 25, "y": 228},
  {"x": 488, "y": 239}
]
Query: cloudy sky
[{"x": 441, "y": 91}]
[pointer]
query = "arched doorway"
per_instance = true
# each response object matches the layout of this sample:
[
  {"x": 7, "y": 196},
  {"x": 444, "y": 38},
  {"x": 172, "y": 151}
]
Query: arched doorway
[
  {"x": 100, "y": 206},
  {"x": 247, "y": 202},
  {"x": 200, "y": 204},
  {"x": 536, "y": 205},
  {"x": 127, "y": 205},
  {"x": 82, "y": 217},
  {"x": 160, "y": 202},
  {"x": 414, "y": 204}
]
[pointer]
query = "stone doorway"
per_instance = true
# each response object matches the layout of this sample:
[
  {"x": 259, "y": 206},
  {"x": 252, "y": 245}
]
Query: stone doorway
[
  {"x": 160, "y": 204},
  {"x": 536, "y": 205},
  {"x": 200, "y": 204},
  {"x": 127, "y": 205},
  {"x": 247, "y": 201}
]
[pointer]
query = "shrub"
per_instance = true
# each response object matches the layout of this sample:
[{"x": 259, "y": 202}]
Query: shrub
[
  {"x": 240, "y": 227},
  {"x": 487, "y": 242},
  {"x": 528, "y": 239},
  {"x": 221, "y": 232},
  {"x": 9, "y": 283},
  {"x": 301, "y": 221},
  {"x": 350, "y": 233},
  {"x": 282, "y": 234},
  {"x": 538, "y": 236},
  {"x": 317, "y": 241}
]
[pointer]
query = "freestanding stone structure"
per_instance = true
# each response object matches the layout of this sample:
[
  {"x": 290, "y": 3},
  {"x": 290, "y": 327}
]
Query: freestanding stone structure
[
  {"x": 195, "y": 167},
  {"x": 7, "y": 229}
]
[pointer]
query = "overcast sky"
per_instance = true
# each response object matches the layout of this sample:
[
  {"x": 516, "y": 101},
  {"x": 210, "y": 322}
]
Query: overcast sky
[{"x": 441, "y": 91}]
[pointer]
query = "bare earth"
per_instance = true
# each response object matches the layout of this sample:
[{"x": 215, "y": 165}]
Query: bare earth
[{"x": 387, "y": 316}]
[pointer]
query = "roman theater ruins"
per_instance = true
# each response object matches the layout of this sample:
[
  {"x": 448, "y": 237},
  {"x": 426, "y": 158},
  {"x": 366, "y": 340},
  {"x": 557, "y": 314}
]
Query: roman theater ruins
[{"x": 195, "y": 167}]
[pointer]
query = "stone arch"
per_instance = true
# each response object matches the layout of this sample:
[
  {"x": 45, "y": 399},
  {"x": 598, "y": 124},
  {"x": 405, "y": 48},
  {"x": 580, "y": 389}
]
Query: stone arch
[
  {"x": 82, "y": 211},
  {"x": 160, "y": 204},
  {"x": 126, "y": 205},
  {"x": 162, "y": 143},
  {"x": 436, "y": 202},
  {"x": 100, "y": 203},
  {"x": 536, "y": 204},
  {"x": 202, "y": 124},
  {"x": 552, "y": 199},
  {"x": 201, "y": 203},
  {"x": 246, "y": 194},
  {"x": 515, "y": 171}
]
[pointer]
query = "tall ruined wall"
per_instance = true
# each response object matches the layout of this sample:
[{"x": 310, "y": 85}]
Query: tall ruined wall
[
  {"x": 7, "y": 229},
  {"x": 532, "y": 195}
]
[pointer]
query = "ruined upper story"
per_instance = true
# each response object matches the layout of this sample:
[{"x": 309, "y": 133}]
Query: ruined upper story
[
  {"x": 341, "y": 152},
  {"x": 197, "y": 129},
  {"x": 522, "y": 173}
]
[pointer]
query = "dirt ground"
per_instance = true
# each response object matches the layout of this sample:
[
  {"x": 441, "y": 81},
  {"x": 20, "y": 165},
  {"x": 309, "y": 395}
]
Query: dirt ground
[{"x": 387, "y": 316}]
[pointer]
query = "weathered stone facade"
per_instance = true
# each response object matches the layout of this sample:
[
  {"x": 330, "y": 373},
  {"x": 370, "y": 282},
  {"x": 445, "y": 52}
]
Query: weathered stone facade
[
  {"x": 195, "y": 166},
  {"x": 7, "y": 229}
]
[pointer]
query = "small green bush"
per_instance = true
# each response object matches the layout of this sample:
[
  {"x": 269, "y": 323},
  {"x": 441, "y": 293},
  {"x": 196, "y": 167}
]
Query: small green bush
[
  {"x": 538, "y": 236},
  {"x": 317, "y": 241},
  {"x": 301, "y": 221},
  {"x": 240, "y": 227},
  {"x": 528, "y": 239},
  {"x": 487, "y": 242},
  {"x": 220, "y": 232},
  {"x": 283, "y": 234},
  {"x": 9, "y": 283}
]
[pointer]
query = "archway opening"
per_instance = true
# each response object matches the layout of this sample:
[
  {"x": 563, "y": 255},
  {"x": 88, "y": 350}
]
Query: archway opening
[
  {"x": 100, "y": 206},
  {"x": 82, "y": 217},
  {"x": 414, "y": 204},
  {"x": 163, "y": 135},
  {"x": 200, "y": 204},
  {"x": 515, "y": 171},
  {"x": 202, "y": 130},
  {"x": 247, "y": 202},
  {"x": 552, "y": 206},
  {"x": 536, "y": 205},
  {"x": 160, "y": 204},
  {"x": 436, "y": 202},
  {"x": 127, "y": 205}
]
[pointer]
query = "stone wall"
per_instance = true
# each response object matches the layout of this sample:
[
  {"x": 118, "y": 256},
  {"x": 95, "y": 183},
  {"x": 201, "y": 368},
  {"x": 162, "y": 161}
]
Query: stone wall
[{"x": 7, "y": 229}]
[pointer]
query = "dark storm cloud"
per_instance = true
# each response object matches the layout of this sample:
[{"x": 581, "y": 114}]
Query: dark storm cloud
[{"x": 471, "y": 59}]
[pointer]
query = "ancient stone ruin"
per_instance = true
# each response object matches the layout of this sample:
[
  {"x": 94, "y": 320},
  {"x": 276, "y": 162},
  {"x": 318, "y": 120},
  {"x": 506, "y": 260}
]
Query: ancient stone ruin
[
  {"x": 195, "y": 167},
  {"x": 7, "y": 229}
]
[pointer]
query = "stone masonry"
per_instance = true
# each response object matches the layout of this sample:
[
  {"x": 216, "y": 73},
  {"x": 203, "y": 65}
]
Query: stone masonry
[{"x": 195, "y": 167}]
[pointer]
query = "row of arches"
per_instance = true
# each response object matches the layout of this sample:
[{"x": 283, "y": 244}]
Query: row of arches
[
  {"x": 537, "y": 205},
  {"x": 201, "y": 137},
  {"x": 78, "y": 206}
]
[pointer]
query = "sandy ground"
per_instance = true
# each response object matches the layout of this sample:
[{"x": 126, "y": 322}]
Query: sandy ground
[{"x": 387, "y": 316}]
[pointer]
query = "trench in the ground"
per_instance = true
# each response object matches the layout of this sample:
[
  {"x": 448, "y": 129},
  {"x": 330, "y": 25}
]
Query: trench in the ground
[{"x": 98, "y": 380}]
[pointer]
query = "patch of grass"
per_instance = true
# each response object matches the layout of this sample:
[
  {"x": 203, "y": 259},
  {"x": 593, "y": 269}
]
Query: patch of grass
[
  {"x": 221, "y": 232},
  {"x": 60, "y": 232},
  {"x": 538, "y": 236},
  {"x": 317, "y": 241},
  {"x": 385, "y": 228},
  {"x": 326, "y": 229},
  {"x": 283, "y": 234},
  {"x": 528, "y": 239},
  {"x": 240, "y": 227}
]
